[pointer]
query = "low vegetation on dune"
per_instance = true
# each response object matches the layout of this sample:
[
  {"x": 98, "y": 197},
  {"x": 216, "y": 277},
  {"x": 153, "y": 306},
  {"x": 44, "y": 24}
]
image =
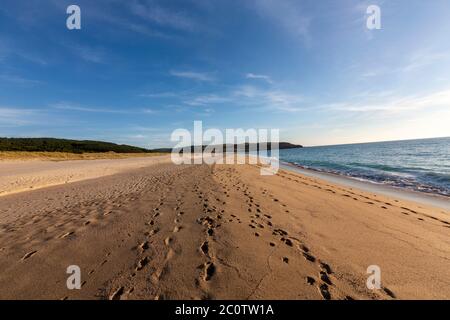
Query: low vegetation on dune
[
  {"x": 65, "y": 145},
  {"x": 62, "y": 156},
  {"x": 64, "y": 149}
]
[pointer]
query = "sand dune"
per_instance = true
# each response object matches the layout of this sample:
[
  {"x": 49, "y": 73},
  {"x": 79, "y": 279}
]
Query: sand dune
[
  {"x": 218, "y": 232},
  {"x": 18, "y": 176}
]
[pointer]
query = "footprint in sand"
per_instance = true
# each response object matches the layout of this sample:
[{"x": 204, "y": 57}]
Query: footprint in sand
[
  {"x": 309, "y": 257},
  {"x": 324, "y": 277},
  {"x": 389, "y": 293},
  {"x": 65, "y": 235},
  {"x": 116, "y": 295},
  {"x": 152, "y": 232},
  {"x": 142, "y": 263},
  {"x": 323, "y": 289},
  {"x": 288, "y": 242},
  {"x": 209, "y": 271},
  {"x": 303, "y": 248},
  {"x": 28, "y": 255},
  {"x": 310, "y": 280},
  {"x": 144, "y": 246},
  {"x": 325, "y": 267},
  {"x": 205, "y": 248},
  {"x": 167, "y": 241}
]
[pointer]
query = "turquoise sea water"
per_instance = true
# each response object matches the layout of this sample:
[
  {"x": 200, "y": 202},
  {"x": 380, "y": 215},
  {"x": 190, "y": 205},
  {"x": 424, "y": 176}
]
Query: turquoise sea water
[{"x": 420, "y": 165}]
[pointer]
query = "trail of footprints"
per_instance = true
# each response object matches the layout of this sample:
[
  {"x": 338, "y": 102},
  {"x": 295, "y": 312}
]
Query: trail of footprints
[
  {"x": 143, "y": 248},
  {"x": 92, "y": 211},
  {"x": 143, "y": 253},
  {"x": 213, "y": 215},
  {"x": 209, "y": 221},
  {"x": 144, "y": 259},
  {"x": 359, "y": 197},
  {"x": 259, "y": 221}
]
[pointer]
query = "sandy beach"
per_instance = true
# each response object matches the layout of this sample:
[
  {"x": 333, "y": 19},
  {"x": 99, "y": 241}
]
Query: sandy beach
[
  {"x": 148, "y": 229},
  {"x": 25, "y": 174}
]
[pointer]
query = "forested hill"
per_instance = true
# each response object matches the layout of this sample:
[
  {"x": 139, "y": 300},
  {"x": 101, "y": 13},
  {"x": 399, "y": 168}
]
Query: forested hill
[
  {"x": 83, "y": 146},
  {"x": 65, "y": 145}
]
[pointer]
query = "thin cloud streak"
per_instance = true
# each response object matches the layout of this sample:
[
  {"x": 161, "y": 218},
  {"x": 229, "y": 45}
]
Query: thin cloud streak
[
  {"x": 12, "y": 117},
  {"x": 152, "y": 12},
  {"x": 19, "y": 80},
  {"x": 69, "y": 107},
  {"x": 259, "y": 76},
  {"x": 207, "y": 100},
  {"x": 397, "y": 104},
  {"x": 288, "y": 15},
  {"x": 192, "y": 75}
]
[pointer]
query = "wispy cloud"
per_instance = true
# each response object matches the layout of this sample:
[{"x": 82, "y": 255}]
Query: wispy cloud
[
  {"x": 422, "y": 59},
  {"x": 19, "y": 80},
  {"x": 396, "y": 104},
  {"x": 259, "y": 76},
  {"x": 9, "y": 48},
  {"x": 416, "y": 61},
  {"x": 69, "y": 107},
  {"x": 206, "y": 99},
  {"x": 245, "y": 96},
  {"x": 199, "y": 76},
  {"x": 153, "y": 12},
  {"x": 287, "y": 14},
  {"x": 72, "y": 107},
  {"x": 149, "y": 111},
  {"x": 166, "y": 94},
  {"x": 12, "y": 117},
  {"x": 274, "y": 100},
  {"x": 89, "y": 54}
]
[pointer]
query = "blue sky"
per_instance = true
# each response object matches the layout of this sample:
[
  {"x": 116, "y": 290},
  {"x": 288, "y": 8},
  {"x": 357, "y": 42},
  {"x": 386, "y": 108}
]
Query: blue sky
[{"x": 139, "y": 69}]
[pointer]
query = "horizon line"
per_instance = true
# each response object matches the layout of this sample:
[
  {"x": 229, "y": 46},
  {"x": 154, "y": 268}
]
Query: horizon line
[{"x": 367, "y": 142}]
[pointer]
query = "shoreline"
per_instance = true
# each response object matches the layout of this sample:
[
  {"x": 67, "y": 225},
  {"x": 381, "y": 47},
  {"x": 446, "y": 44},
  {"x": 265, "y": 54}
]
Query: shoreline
[
  {"x": 424, "y": 198},
  {"x": 31, "y": 174}
]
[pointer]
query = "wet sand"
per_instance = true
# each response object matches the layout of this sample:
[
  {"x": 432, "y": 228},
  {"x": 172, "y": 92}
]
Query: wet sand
[
  {"x": 434, "y": 200},
  {"x": 162, "y": 231}
]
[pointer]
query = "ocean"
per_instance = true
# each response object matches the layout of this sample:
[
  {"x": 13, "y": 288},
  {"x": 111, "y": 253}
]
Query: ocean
[{"x": 420, "y": 165}]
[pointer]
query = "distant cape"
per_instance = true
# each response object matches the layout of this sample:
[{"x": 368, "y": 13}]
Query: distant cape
[{"x": 246, "y": 147}]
